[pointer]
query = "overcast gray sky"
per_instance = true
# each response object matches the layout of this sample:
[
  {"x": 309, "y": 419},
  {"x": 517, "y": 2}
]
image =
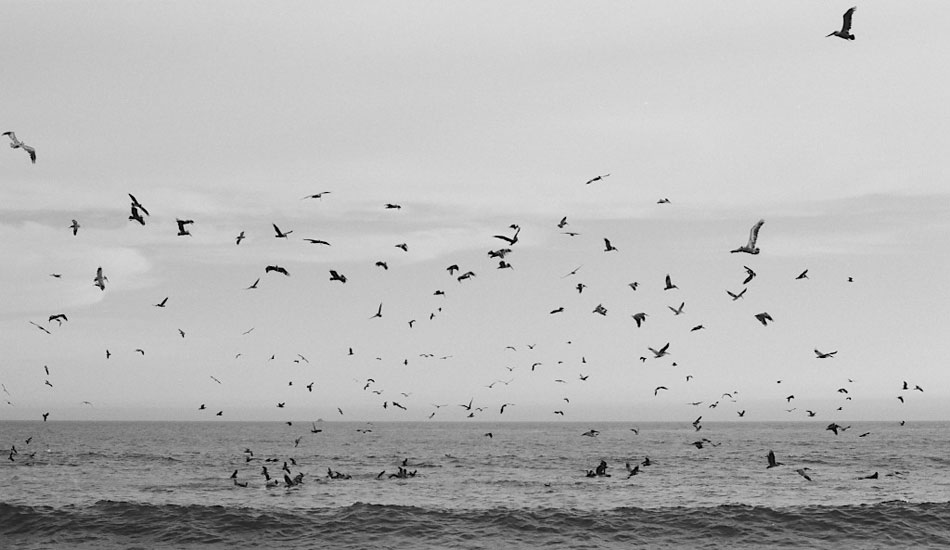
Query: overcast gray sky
[{"x": 474, "y": 116}]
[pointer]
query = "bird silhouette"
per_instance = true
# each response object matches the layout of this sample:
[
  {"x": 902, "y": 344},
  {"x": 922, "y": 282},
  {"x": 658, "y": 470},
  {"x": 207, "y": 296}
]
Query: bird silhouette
[
  {"x": 764, "y": 318},
  {"x": 181, "y": 226},
  {"x": 736, "y": 296},
  {"x": 316, "y": 195},
  {"x": 280, "y": 234},
  {"x": 136, "y": 216},
  {"x": 679, "y": 310},
  {"x": 845, "y": 31},
  {"x": 274, "y": 268},
  {"x": 749, "y": 275},
  {"x": 669, "y": 283},
  {"x": 75, "y": 227},
  {"x": 609, "y": 247},
  {"x": 661, "y": 352},
  {"x": 239, "y": 238},
  {"x": 162, "y": 303},
  {"x": 595, "y": 178},
  {"x": 100, "y": 279},
  {"x": 802, "y": 275},
  {"x": 17, "y": 144},
  {"x": 138, "y": 205},
  {"x": 379, "y": 312},
  {"x": 771, "y": 459},
  {"x": 334, "y": 276},
  {"x": 750, "y": 247},
  {"x": 640, "y": 318},
  {"x": 822, "y": 355}
]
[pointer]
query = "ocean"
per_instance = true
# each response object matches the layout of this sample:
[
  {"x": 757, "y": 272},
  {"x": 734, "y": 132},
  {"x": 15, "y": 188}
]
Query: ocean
[{"x": 167, "y": 485}]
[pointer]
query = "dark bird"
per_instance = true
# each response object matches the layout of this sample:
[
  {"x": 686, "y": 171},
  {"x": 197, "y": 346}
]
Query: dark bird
[
  {"x": 316, "y": 195},
  {"x": 59, "y": 318},
  {"x": 379, "y": 312},
  {"x": 45, "y": 416},
  {"x": 392, "y": 206},
  {"x": 510, "y": 240},
  {"x": 900, "y": 398},
  {"x": 735, "y": 296},
  {"x": 802, "y": 275},
  {"x": 137, "y": 204},
  {"x": 382, "y": 264},
  {"x": 845, "y": 31},
  {"x": 466, "y": 275},
  {"x": 640, "y": 318},
  {"x": 281, "y": 405},
  {"x": 918, "y": 388},
  {"x": 663, "y": 201},
  {"x": 135, "y": 216},
  {"x": 789, "y": 398},
  {"x": 669, "y": 283},
  {"x": 253, "y": 286},
  {"x": 395, "y": 404},
  {"x": 750, "y": 247},
  {"x": 822, "y": 355},
  {"x": 771, "y": 459},
  {"x": 17, "y": 144},
  {"x": 679, "y": 310},
  {"x": 562, "y": 223},
  {"x": 833, "y": 427},
  {"x": 280, "y": 234},
  {"x": 872, "y": 476},
  {"x": 317, "y": 241},
  {"x": 595, "y": 178},
  {"x": 764, "y": 318},
  {"x": 658, "y": 388},
  {"x": 749, "y": 275},
  {"x": 181, "y": 226},
  {"x": 140, "y": 351},
  {"x": 801, "y": 472},
  {"x": 162, "y": 303},
  {"x": 558, "y": 310},
  {"x": 239, "y": 238},
  {"x": 609, "y": 247},
  {"x": 600, "y": 309},
  {"x": 100, "y": 279},
  {"x": 697, "y": 327},
  {"x": 275, "y": 268},
  {"x": 661, "y": 352},
  {"x": 75, "y": 227},
  {"x": 334, "y": 276}
]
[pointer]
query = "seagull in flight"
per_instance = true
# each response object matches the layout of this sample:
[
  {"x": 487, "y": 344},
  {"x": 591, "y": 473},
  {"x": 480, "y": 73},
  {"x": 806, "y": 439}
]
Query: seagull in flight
[
  {"x": 679, "y": 310},
  {"x": 510, "y": 240},
  {"x": 609, "y": 247},
  {"x": 750, "y": 247},
  {"x": 822, "y": 355},
  {"x": 270, "y": 268},
  {"x": 595, "y": 178},
  {"x": 736, "y": 296},
  {"x": 334, "y": 276},
  {"x": 661, "y": 352},
  {"x": 845, "y": 31},
  {"x": 17, "y": 144},
  {"x": 239, "y": 238},
  {"x": 137, "y": 204},
  {"x": 639, "y": 318},
  {"x": 669, "y": 283},
  {"x": 162, "y": 303},
  {"x": 316, "y": 195},
  {"x": 764, "y": 318},
  {"x": 749, "y": 275},
  {"x": 75, "y": 227},
  {"x": 379, "y": 312},
  {"x": 802, "y": 275},
  {"x": 317, "y": 241}
]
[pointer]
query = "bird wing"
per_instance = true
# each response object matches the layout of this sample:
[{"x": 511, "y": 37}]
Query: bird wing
[
  {"x": 12, "y": 136},
  {"x": 846, "y": 23},
  {"x": 754, "y": 233}
]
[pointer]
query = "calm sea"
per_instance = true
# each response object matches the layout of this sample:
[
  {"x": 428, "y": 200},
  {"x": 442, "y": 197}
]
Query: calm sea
[{"x": 168, "y": 485}]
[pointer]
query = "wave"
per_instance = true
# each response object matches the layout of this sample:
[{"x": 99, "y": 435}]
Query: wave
[{"x": 360, "y": 525}]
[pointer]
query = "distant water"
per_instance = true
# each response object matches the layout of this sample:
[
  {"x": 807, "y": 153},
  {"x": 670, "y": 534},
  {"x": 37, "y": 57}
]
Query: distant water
[{"x": 164, "y": 484}]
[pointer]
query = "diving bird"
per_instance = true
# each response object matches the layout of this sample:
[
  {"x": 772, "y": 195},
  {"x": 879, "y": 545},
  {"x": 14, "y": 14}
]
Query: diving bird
[
  {"x": 750, "y": 247},
  {"x": 100, "y": 279},
  {"x": 181, "y": 226},
  {"x": 845, "y": 31},
  {"x": 17, "y": 144},
  {"x": 75, "y": 227}
]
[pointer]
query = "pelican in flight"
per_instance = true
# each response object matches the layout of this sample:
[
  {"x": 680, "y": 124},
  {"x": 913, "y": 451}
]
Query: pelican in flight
[
  {"x": 750, "y": 247},
  {"x": 845, "y": 31},
  {"x": 17, "y": 144}
]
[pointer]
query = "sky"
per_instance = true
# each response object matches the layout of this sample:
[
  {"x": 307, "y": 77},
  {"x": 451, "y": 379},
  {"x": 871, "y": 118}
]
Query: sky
[{"x": 474, "y": 117}]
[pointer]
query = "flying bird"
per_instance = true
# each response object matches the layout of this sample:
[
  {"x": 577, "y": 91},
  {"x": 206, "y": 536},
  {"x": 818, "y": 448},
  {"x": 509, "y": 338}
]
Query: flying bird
[
  {"x": 822, "y": 355},
  {"x": 802, "y": 275},
  {"x": 275, "y": 268},
  {"x": 239, "y": 238},
  {"x": 510, "y": 240},
  {"x": 334, "y": 276},
  {"x": 17, "y": 144},
  {"x": 181, "y": 226},
  {"x": 75, "y": 227},
  {"x": 280, "y": 234},
  {"x": 316, "y": 195},
  {"x": 749, "y": 275},
  {"x": 845, "y": 31},
  {"x": 100, "y": 279},
  {"x": 403, "y": 246},
  {"x": 658, "y": 388},
  {"x": 162, "y": 303},
  {"x": 801, "y": 472},
  {"x": 750, "y": 247},
  {"x": 317, "y": 241},
  {"x": 59, "y": 318},
  {"x": 661, "y": 352},
  {"x": 379, "y": 312},
  {"x": 669, "y": 283},
  {"x": 679, "y": 310},
  {"x": 609, "y": 247},
  {"x": 764, "y": 318},
  {"x": 639, "y": 318},
  {"x": 736, "y": 296},
  {"x": 137, "y": 204},
  {"x": 595, "y": 178},
  {"x": 135, "y": 216}
]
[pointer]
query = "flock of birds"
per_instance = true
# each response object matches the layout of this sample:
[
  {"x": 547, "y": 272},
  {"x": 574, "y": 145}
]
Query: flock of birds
[{"x": 139, "y": 214}]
